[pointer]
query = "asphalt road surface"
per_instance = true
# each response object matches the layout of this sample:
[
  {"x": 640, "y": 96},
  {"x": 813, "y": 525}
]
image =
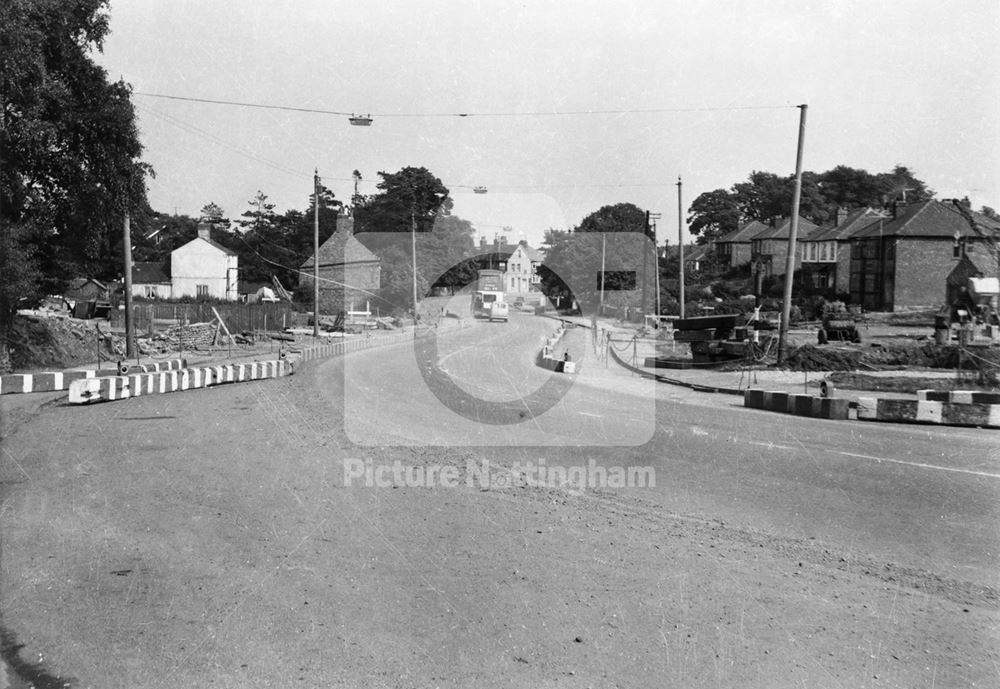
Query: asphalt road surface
[{"x": 220, "y": 537}]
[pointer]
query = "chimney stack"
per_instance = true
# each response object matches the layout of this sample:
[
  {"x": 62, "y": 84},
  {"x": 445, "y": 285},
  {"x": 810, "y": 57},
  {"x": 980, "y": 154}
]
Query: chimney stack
[
  {"x": 205, "y": 231},
  {"x": 841, "y": 216}
]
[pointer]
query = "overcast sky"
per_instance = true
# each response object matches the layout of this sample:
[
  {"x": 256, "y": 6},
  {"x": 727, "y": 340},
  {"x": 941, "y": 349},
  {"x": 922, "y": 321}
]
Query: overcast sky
[{"x": 913, "y": 83}]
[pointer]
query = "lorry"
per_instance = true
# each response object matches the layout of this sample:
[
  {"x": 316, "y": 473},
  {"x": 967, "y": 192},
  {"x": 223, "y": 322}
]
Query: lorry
[{"x": 488, "y": 299}]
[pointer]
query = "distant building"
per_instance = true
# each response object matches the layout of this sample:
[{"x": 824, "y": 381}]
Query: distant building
[
  {"x": 769, "y": 247},
  {"x": 87, "y": 289},
  {"x": 696, "y": 257},
  {"x": 521, "y": 277},
  {"x": 151, "y": 280},
  {"x": 204, "y": 268},
  {"x": 349, "y": 273},
  {"x": 733, "y": 249}
]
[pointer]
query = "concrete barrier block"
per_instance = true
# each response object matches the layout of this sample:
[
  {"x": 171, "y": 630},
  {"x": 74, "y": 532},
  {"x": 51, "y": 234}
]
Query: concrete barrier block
[
  {"x": 779, "y": 402},
  {"x": 971, "y": 414},
  {"x": 754, "y": 399},
  {"x": 867, "y": 408},
  {"x": 800, "y": 405},
  {"x": 960, "y": 396},
  {"x": 830, "y": 408}
]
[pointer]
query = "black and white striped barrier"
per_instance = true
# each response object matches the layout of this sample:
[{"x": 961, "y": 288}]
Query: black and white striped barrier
[
  {"x": 551, "y": 363},
  {"x": 110, "y": 388},
  {"x": 310, "y": 352},
  {"x": 61, "y": 380},
  {"x": 800, "y": 405},
  {"x": 959, "y": 396},
  {"x": 947, "y": 413}
]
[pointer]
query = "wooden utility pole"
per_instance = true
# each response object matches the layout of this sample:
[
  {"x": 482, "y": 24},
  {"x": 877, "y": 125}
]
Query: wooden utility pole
[
  {"x": 604, "y": 246},
  {"x": 656, "y": 266},
  {"x": 129, "y": 320},
  {"x": 645, "y": 235},
  {"x": 786, "y": 304},
  {"x": 316, "y": 253},
  {"x": 680, "y": 242},
  {"x": 413, "y": 254}
]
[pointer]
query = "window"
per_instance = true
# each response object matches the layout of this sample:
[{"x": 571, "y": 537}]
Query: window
[
  {"x": 202, "y": 291},
  {"x": 958, "y": 249}
]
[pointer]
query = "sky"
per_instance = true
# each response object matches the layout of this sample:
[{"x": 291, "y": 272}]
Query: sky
[{"x": 569, "y": 106}]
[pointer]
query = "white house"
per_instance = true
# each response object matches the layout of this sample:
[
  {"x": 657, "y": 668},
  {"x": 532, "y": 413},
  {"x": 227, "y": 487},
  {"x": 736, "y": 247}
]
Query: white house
[
  {"x": 204, "y": 268},
  {"x": 149, "y": 280},
  {"x": 521, "y": 277}
]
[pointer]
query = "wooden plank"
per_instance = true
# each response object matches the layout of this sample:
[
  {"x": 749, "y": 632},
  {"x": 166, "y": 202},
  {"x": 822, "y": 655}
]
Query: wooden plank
[{"x": 232, "y": 340}]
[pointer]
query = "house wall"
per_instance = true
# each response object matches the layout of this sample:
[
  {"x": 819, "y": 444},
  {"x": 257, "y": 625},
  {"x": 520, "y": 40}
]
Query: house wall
[
  {"x": 200, "y": 263},
  {"x": 733, "y": 254},
  {"x": 840, "y": 268},
  {"x": 842, "y": 278},
  {"x": 152, "y": 290},
  {"x": 521, "y": 277},
  {"x": 364, "y": 277},
  {"x": 923, "y": 266}
]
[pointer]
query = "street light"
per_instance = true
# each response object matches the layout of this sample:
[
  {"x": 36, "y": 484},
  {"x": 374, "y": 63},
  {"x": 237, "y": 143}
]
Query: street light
[{"x": 360, "y": 120}]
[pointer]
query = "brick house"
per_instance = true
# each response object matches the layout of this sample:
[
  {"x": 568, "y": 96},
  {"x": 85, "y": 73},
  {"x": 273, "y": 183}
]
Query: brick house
[
  {"x": 769, "y": 247},
  {"x": 826, "y": 252},
  {"x": 349, "y": 273},
  {"x": 733, "y": 249},
  {"x": 904, "y": 261}
]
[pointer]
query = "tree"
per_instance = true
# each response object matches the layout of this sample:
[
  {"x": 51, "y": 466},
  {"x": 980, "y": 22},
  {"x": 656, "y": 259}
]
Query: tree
[
  {"x": 384, "y": 221},
  {"x": 763, "y": 196},
  {"x": 573, "y": 259},
  {"x": 712, "y": 215},
  {"x": 848, "y": 188},
  {"x": 171, "y": 232},
  {"x": 621, "y": 217},
  {"x": 902, "y": 185},
  {"x": 211, "y": 212},
  {"x": 71, "y": 151}
]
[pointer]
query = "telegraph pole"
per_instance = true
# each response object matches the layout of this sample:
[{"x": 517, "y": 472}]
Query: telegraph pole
[
  {"x": 645, "y": 235},
  {"x": 316, "y": 253},
  {"x": 413, "y": 254},
  {"x": 604, "y": 245},
  {"x": 656, "y": 265},
  {"x": 129, "y": 320},
  {"x": 786, "y": 304},
  {"x": 680, "y": 241}
]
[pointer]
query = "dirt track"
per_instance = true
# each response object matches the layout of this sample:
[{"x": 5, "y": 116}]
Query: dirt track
[{"x": 207, "y": 537}]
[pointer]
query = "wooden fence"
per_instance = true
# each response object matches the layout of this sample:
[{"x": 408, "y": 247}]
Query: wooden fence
[{"x": 238, "y": 317}]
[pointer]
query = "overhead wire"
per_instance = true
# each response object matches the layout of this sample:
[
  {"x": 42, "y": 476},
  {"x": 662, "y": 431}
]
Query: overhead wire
[{"x": 528, "y": 113}]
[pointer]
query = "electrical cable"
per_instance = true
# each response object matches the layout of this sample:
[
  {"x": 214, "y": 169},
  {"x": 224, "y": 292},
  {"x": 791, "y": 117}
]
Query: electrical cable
[{"x": 537, "y": 113}]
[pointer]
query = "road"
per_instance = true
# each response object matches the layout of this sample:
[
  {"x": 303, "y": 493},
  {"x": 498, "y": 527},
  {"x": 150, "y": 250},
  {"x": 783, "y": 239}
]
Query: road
[{"x": 212, "y": 536}]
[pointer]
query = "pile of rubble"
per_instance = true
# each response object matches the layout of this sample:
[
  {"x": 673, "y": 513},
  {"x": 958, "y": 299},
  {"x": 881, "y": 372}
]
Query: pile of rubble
[
  {"x": 193, "y": 336},
  {"x": 39, "y": 341}
]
